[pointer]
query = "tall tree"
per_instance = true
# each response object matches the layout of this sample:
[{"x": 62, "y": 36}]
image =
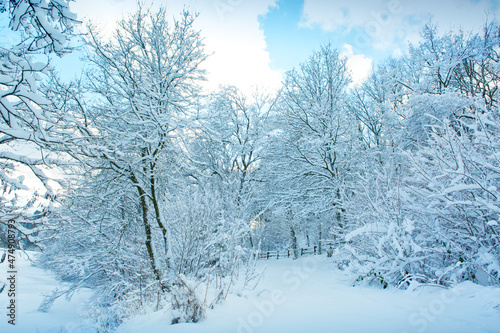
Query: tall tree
[
  {"x": 130, "y": 118},
  {"x": 230, "y": 147},
  {"x": 313, "y": 146}
]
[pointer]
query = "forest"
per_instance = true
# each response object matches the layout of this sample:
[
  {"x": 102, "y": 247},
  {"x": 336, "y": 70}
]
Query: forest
[{"x": 147, "y": 185}]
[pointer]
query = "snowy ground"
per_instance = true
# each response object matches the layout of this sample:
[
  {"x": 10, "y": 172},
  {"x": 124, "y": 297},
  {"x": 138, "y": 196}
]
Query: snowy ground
[
  {"x": 305, "y": 295},
  {"x": 32, "y": 284}
]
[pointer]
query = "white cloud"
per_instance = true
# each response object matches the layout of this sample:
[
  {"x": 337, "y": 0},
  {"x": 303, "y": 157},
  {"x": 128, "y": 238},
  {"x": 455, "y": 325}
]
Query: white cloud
[
  {"x": 231, "y": 31},
  {"x": 233, "y": 34},
  {"x": 397, "y": 53},
  {"x": 102, "y": 12},
  {"x": 359, "y": 65},
  {"x": 385, "y": 23}
]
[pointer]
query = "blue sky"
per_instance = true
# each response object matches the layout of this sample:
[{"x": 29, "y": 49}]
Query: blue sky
[
  {"x": 287, "y": 42},
  {"x": 373, "y": 28},
  {"x": 253, "y": 42}
]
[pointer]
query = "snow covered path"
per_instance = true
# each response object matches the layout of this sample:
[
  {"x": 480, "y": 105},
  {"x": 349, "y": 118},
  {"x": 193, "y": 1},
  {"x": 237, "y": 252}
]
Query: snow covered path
[
  {"x": 305, "y": 295},
  {"x": 32, "y": 284}
]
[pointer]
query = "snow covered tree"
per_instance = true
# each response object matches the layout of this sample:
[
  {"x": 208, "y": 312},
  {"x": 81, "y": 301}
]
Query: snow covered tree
[
  {"x": 376, "y": 104},
  {"x": 100, "y": 246},
  {"x": 27, "y": 126},
  {"x": 311, "y": 153},
  {"x": 437, "y": 180},
  {"x": 229, "y": 149},
  {"x": 145, "y": 80},
  {"x": 129, "y": 122},
  {"x": 455, "y": 63}
]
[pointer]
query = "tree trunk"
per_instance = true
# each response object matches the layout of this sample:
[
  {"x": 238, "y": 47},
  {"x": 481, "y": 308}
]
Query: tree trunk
[
  {"x": 158, "y": 217},
  {"x": 319, "y": 240},
  {"x": 295, "y": 246},
  {"x": 147, "y": 230}
]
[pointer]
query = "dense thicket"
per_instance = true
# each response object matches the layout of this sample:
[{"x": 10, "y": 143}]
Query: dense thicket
[{"x": 401, "y": 173}]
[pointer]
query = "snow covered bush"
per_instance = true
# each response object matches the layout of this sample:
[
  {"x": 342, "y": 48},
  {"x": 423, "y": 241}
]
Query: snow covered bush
[
  {"x": 380, "y": 245},
  {"x": 206, "y": 230},
  {"x": 458, "y": 177},
  {"x": 99, "y": 246},
  {"x": 186, "y": 307},
  {"x": 425, "y": 203}
]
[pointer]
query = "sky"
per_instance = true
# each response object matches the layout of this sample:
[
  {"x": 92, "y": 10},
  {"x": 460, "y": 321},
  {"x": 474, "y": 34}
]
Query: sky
[{"x": 253, "y": 42}]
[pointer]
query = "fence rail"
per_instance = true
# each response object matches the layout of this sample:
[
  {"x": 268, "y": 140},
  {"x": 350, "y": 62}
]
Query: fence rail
[
  {"x": 282, "y": 254},
  {"x": 287, "y": 253}
]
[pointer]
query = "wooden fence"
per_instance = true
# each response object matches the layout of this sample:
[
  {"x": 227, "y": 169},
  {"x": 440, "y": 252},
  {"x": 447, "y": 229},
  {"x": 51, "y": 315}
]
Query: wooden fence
[{"x": 288, "y": 253}]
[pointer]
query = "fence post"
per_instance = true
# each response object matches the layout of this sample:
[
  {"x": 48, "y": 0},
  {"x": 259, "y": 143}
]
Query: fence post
[
  {"x": 301, "y": 251},
  {"x": 288, "y": 252},
  {"x": 315, "y": 249},
  {"x": 267, "y": 255},
  {"x": 278, "y": 254}
]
